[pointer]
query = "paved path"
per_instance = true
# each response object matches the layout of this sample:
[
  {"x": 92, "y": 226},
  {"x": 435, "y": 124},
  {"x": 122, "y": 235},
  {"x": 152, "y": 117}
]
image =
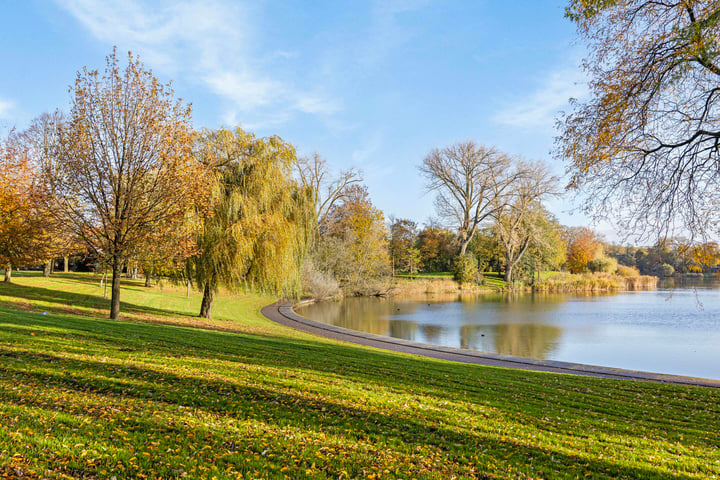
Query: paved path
[{"x": 283, "y": 313}]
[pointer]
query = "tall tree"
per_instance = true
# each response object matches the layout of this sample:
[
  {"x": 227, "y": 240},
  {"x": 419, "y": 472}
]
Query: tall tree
[
  {"x": 354, "y": 246},
  {"x": 44, "y": 140},
  {"x": 516, "y": 213},
  {"x": 402, "y": 244},
  {"x": 258, "y": 227},
  {"x": 471, "y": 183},
  {"x": 22, "y": 232},
  {"x": 645, "y": 145},
  {"x": 126, "y": 166},
  {"x": 328, "y": 189}
]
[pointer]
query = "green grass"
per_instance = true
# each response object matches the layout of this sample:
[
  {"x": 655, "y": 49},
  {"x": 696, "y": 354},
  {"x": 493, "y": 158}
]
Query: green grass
[
  {"x": 161, "y": 394},
  {"x": 426, "y": 275},
  {"x": 491, "y": 279}
]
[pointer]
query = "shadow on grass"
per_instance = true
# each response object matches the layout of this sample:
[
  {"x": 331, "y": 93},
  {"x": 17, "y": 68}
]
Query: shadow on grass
[
  {"x": 551, "y": 403},
  {"x": 70, "y": 301},
  {"x": 235, "y": 402}
]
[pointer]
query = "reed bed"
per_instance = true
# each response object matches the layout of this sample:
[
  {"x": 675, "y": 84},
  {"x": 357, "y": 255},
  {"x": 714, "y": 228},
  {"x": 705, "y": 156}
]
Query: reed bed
[{"x": 595, "y": 282}]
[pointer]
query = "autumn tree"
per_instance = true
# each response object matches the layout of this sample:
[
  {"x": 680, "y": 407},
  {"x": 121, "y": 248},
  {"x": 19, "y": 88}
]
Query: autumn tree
[
  {"x": 126, "y": 166},
  {"x": 403, "y": 253},
  {"x": 547, "y": 250},
  {"x": 258, "y": 228},
  {"x": 583, "y": 245},
  {"x": 44, "y": 142},
  {"x": 22, "y": 230},
  {"x": 354, "y": 244},
  {"x": 327, "y": 188},
  {"x": 644, "y": 146},
  {"x": 437, "y": 247},
  {"x": 517, "y": 213},
  {"x": 471, "y": 182}
]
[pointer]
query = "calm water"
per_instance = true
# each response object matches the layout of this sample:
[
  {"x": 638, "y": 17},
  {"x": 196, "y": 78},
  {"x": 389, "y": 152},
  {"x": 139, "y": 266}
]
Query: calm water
[{"x": 670, "y": 330}]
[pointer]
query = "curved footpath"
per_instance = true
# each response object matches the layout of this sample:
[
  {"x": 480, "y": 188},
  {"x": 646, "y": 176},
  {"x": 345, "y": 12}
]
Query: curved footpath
[{"x": 283, "y": 313}]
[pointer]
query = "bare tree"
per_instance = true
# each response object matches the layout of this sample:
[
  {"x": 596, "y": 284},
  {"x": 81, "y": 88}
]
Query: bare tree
[
  {"x": 515, "y": 214},
  {"x": 471, "y": 182},
  {"x": 645, "y": 146},
  {"x": 329, "y": 190}
]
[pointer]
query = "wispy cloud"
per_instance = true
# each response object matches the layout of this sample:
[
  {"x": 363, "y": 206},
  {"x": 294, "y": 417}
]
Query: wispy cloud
[
  {"x": 5, "y": 107},
  {"x": 540, "y": 107},
  {"x": 211, "y": 42}
]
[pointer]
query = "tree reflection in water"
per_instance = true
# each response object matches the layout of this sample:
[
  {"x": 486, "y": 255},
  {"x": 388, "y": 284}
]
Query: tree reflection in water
[{"x": 522, "y": 340}]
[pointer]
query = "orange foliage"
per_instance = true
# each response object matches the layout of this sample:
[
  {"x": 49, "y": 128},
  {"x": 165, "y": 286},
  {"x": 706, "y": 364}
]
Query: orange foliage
[{"x": 583, "y": 246}]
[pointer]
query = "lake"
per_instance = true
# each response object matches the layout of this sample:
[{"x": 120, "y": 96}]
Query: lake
[{"x": 674, "y": 329}]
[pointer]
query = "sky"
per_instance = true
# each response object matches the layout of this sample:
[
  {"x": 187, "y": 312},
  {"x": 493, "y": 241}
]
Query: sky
[{"x": 368, "y": 84}]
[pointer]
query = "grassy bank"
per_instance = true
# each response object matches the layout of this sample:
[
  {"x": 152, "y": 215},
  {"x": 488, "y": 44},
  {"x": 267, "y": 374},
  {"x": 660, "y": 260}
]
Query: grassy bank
[
  {"x": 443, "y": 283},
  {"x": 160, "y": 394}
]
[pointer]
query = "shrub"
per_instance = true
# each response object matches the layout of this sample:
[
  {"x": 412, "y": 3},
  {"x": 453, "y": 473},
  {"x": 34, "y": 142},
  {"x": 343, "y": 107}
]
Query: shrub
[
  {"x": 667, "y": 270},
  {"x": 465, "y": 268},
  {"x": 318, "y": 285},
  {"x": 628, "y": 272},
  {"x": 602, "y": 263}
]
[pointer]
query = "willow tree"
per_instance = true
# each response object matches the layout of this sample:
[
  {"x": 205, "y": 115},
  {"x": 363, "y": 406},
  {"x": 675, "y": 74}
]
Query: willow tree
[
  {"x": 256, "y": 232},
  {"x": 645, "y": 145},
  {"x": 126, "y": 167}
]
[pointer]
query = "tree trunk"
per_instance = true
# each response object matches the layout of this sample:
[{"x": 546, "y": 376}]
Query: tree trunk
[
  {"x": 187, "y": 292},
  {"x": 148, "y": 276},
  {"x": 208, "y": 296},
  {"x": 464, "y": 244},
  {"x": 47, "y": 268},
  {"x": 8, "y": 273},
  {"x": 52, "y": 266},
  {"x": 508, "y": 273},
  {"x": 115, "y": 298},
  {"x": 66, "y": 264}
]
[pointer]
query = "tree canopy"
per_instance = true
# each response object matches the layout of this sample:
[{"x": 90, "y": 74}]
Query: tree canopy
[
  {"x": 260, "y": 221},
  {"x": 645, "y": 146},
  {"x": 124, "y": 167}
]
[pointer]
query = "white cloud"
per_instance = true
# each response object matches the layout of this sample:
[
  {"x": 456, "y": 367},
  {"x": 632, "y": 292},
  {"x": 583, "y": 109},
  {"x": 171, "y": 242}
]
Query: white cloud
[
  {"x": 5, "y": 107},
  {"x": 210, "y": 42},
  {"x": 539, "y": 108}
]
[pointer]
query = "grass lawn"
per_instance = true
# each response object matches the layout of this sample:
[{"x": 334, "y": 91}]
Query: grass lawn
[
  {"x": 490, "y": 279},
  {"x": 426, "y": 275},
  {"x": 161, "y": 394}
]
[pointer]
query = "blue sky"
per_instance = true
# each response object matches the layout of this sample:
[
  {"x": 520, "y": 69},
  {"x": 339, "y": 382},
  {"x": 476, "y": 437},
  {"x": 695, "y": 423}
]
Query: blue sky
[{"x": 374, "y": 85}]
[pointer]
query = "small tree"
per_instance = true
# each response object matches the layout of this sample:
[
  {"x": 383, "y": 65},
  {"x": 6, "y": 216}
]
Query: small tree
[
  {"x": 125, "y": 167},
  {"x": 358, "y": 232},
  {"x": 437, "y": 248},
  {"x": 583, "y": 246},
  {"x": 402, "y": 239},
  {"x": 465, "y": 268}
]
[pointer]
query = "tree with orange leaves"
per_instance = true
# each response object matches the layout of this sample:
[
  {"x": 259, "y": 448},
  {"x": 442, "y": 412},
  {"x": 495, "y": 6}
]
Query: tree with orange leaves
[
  {"x": 583, "y": 246},
  {"x": 126, "y": 167},
  {"x": 23, "y": 230}
]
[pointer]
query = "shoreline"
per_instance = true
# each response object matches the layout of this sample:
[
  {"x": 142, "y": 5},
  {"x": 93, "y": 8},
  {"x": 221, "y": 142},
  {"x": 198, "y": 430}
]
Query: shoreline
[{"x": 283, "y": 313}]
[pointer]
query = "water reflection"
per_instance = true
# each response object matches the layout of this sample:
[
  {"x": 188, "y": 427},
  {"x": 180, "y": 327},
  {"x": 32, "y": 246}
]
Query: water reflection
[
  {"x": 520, "y": 340},
  {"x": 675, "y": 329},
  {"x": 466, "y": 321}
]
